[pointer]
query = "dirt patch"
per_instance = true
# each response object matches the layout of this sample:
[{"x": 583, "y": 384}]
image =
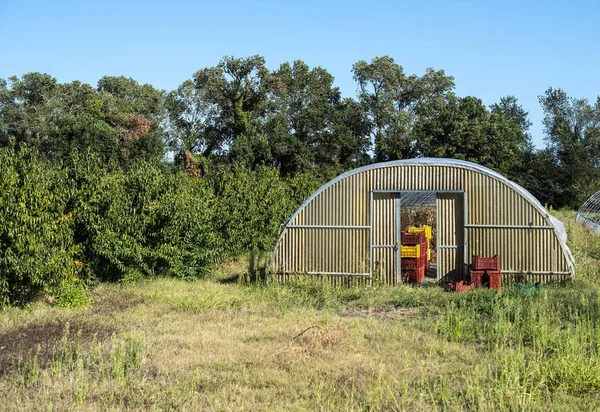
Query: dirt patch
[
  {"x": 18, "y": 344},
  {"x": 382, "y": 313}
]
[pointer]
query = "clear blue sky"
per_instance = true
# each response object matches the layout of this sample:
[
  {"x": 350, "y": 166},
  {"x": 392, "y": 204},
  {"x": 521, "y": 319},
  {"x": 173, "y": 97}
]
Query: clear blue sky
[{"x": 492, "y": 49}]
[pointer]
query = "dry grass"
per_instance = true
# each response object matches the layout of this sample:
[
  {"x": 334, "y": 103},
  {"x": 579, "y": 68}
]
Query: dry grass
[
  {"x": 206, "y": 345},
  {"x": 219, "y": 344}
]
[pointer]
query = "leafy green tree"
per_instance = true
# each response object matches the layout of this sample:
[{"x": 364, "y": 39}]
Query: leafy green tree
[
  {"x": 463, "y": 128},
  {"x": 58, "y": 118},
  {"x": 308, "y": 123},
  {"x": 193, "y": 122},
  {"x": 510, "y": 108},
  {"x": 142, "y": 222},
  {"x": 572, "y": 128},
  {"x": 394, "y": 103},
  {"x": 221, "y": 111},
  {"x": 26, "y": 109}
]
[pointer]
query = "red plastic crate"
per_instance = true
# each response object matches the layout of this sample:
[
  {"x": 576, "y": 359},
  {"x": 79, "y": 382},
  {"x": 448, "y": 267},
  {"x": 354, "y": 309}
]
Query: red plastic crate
[
  {"x": 414, "y": 276},
  {"x": 491, "y": 263},
  {"x": 461, "y": 286},
  {"x": 413, "y": 264},
  {"x": 491, "y": 279},
  {"x": 476, "y": 276},
  {"x": 409, "y": 239},
  {"x": 495, "y": 279}
]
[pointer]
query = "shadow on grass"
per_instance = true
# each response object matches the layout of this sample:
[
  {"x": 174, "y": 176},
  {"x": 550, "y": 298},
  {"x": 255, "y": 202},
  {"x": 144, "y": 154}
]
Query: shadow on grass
[{"x": 256, "y": 270}]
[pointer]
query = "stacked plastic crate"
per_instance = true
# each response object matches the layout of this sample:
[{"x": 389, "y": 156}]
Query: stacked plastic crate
[
  {"x": 486, "y": 272},
  {"x": 428, "y": 234},
  {"x": 415, "y": 253}
]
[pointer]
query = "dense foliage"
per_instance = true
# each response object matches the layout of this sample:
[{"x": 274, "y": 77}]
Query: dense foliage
[
  {"x": 123, "y": 181},
  {"x": 64, "y": 226}
]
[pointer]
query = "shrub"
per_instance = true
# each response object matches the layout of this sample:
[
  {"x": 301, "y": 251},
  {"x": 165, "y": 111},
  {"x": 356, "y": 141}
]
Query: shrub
[{"x": 37, "y": 251}]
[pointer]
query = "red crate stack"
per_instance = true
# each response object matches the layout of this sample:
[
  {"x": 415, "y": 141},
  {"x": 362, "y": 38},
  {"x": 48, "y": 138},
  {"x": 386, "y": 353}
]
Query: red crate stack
[
  {"x": 476, "y": 276},
  {"x": 413, "y": 275},
  {"x": 486, "y": 272},
  {"x": 495, "y": 279},
  {"x": 412, "y": 264},
  {"x": 413, "y": 269},
  {"x": 408, "y": 239}
]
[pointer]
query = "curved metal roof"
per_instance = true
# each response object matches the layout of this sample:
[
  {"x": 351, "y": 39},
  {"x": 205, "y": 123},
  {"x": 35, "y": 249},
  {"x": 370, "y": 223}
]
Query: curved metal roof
[
  {"x": 559, "y": 228},
  {"x": 589, "y": 213}
]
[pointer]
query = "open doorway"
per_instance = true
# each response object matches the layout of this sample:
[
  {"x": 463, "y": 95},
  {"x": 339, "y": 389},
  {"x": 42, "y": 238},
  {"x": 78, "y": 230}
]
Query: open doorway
[
  {"x": 393, "y": 212},
  {"x": 418, "y": 210}
]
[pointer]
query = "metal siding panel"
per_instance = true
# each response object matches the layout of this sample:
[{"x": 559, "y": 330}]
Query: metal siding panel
[
  {"x": 426, "y": 177},
  {"x": 450, "y": 233},
  {"x": 492, "y": 202},
  {"x": 526, "y": 250}
]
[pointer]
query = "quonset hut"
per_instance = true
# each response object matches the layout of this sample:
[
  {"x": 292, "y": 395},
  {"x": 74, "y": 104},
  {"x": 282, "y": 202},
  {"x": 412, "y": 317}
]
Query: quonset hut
[{"x": 350, "y": 228}]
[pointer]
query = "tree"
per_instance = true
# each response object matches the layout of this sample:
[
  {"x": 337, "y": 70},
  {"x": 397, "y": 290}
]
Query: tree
[
  {"x": 57, "y": 118},
  {"x": 308, "y": 124},
  {"x": 192, "y": 126},
  {"x": 463, "y": 128},
  {"x": 509, "y": 107},
  {"x": 572, "y": 129},
  {"x": 220, "y": 110},
  {"x": 26, "y": 109},
  {"x": 395, "y": 102}
]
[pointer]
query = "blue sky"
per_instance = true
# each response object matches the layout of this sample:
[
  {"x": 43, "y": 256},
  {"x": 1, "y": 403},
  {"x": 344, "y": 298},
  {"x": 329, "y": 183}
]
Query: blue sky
[{"x": 492, "y": 49}]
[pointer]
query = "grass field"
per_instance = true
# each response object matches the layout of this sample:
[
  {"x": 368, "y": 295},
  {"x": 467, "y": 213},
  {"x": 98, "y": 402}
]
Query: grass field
[{"x": 224, "y": 344}]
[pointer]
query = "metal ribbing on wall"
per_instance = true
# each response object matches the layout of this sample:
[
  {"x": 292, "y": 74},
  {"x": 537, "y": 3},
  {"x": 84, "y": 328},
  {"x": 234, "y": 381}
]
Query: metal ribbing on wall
[
  {"x": 450, "y": 236},
  {"x": 527, "y": 250},
  {"x": 488, "y": 200},
  {"x": 491, "y": 202},
  {"x": 345, "y": 203},
  {"x": 384, "y": 266},
  {"x": 418, "y": 178},
  {"x": 327, "y": 250},
  {"x": 384, "y": 236}
]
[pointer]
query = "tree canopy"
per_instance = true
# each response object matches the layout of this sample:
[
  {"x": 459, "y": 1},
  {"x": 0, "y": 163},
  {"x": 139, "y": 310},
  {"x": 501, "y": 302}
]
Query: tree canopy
[{"x": 295, "y": 120}]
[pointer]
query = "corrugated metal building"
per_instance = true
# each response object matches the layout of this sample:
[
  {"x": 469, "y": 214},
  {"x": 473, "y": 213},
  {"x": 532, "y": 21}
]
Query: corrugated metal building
[{"x": 350, "y": 227}]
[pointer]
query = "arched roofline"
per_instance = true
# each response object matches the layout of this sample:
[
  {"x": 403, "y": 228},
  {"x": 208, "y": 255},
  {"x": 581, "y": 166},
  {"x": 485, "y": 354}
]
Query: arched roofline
[
  {"x": 593, "y": 199},
  {"x": 557, "y": 226},
  {"x": 592, "y": 204}
]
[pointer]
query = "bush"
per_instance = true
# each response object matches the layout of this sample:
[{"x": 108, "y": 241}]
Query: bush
[
  {"x": 65, "y": 227},
  {"x": 143, "y": 222},
  {"x": 37, "y": 250}
]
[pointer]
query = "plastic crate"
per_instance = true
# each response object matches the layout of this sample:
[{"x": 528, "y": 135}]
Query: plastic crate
[
  {"x": 495, "y": 279},
  {"x": 461, "y": 286},
  {"x": 528, "y": 288},
  {"x": 409, "y": 239},
  {"x": 411, "y": 251},
  {"x": 425, "y": 228},
  {"x": 489, "y": 263},
  {"x": 476, "y": 278},
  {"x": 413, "y": 263},
  {"x": 413, "y": 276}
]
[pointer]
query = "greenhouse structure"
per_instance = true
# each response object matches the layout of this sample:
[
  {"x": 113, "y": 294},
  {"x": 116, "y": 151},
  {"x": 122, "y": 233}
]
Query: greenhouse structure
[
  {"x": 349, "y": 230},
  {"x": 589, "y": 214}
]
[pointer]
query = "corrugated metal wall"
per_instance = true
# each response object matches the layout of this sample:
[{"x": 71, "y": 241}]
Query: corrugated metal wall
[
  {"x": 450, "y": 236},
  {"x": 337, "y": 233},
  {"x": 385, "y": 237}
]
